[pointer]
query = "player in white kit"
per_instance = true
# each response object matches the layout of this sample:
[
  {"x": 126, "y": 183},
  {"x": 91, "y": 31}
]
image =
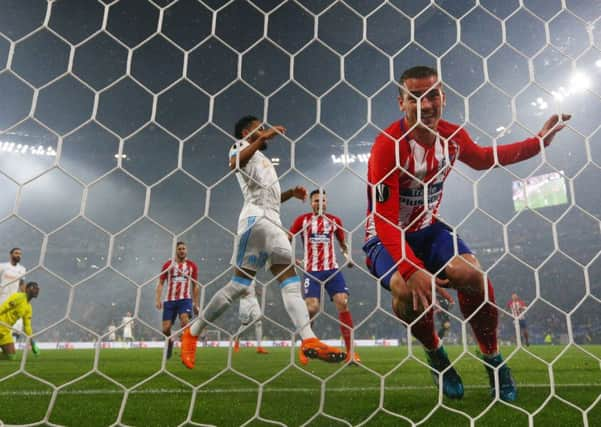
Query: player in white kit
[
  {"x": 249, "y": 313},
  {"x": 261, "y": 242},
  {"x": 11, "y": 280},
  {"x": 128, "y": 324},
  {"x": 10, "y": 274},
  {"x": 112, "y": 336}
]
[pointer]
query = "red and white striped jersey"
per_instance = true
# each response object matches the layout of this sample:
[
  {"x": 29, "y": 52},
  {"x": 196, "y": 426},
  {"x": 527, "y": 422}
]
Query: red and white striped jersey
[
  {"x": 406, "y": 180},
  {"x": 517, "y": 307},
  {"x": 178, "y": 275},
  {"x": 318, "y": 232}
]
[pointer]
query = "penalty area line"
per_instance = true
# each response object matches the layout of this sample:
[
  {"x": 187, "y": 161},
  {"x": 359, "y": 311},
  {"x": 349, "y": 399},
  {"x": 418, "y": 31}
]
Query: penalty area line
[{"x": 270, "y": 390}]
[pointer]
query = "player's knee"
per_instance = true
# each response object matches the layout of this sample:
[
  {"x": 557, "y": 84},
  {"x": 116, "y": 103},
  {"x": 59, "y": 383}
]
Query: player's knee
[
  {"x": 461, "y": 274},
  {"x": 312, "y": 306},
  {"x": 235, "y": 288},
  {"x": 341, "y": 302}
]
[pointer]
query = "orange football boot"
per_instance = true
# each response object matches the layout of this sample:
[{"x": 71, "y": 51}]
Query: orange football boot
[
  {"x": 188, "y": 350},
  {"x": 315, "y": 349},
  {"x": 302, "y": 358},
  {"x": 261, "y": 350}
]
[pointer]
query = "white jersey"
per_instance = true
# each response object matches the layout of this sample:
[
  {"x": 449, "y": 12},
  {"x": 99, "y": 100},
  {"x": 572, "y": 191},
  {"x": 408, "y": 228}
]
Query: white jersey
[
  {"x": 9, "y": 279},
  {"x": 112, "y": 333},
  {"x": 259, "y": 184},
  {"x": 127, "y": 328}
]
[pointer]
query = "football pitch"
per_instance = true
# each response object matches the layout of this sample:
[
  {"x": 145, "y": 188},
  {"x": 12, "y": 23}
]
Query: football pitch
[{"x": 229, "y": 395}]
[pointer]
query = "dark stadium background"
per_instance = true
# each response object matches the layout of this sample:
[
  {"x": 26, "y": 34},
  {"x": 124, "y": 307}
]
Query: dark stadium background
[{"x": 562, "y": 242}]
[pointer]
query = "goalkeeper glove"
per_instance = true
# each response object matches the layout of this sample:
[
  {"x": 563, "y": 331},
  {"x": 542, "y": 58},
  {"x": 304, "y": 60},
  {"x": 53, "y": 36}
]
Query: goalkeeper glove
[{"x": 34, "y": 348}]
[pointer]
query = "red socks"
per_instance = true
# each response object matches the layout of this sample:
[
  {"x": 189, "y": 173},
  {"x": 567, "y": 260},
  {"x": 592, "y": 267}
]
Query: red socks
[
  {"x": 424, "y": 331},
  {"x": 485, "y": 321},
  {"x": 346, "y": 327}
]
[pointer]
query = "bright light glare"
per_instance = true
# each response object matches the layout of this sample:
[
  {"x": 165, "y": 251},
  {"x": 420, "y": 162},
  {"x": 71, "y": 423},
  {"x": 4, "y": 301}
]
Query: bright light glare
[
  {"x": 350, "y": 158},
  {"x": 34, "y": 150},
  {"x": 579, "y": 82}
]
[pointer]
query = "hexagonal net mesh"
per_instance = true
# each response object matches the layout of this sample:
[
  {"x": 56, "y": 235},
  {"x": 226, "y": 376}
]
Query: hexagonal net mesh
[{"x": 116, "y": 117}]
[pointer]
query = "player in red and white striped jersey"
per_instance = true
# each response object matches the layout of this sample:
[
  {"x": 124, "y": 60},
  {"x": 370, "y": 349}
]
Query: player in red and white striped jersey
[
  {"x": 517, "y": 308},
  {"x": 183, "y": 293},
  {"x": 405, "y": 242},
  {"x": 318, "y": 230}
]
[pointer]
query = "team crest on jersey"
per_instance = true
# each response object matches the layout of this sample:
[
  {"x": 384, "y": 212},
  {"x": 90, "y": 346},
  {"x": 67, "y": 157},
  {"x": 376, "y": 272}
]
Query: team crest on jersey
[{"x": 382, "y": 192}]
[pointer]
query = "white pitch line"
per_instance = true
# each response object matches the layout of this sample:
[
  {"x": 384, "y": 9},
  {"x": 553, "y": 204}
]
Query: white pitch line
[{"x": 269, "y": 390}]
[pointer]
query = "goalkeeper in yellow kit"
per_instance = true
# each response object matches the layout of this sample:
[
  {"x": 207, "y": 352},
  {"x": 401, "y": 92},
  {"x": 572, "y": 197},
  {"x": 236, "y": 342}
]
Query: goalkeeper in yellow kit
[{"x": 17, "y": 306}]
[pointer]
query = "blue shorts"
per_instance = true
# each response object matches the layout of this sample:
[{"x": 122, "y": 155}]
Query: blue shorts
[
  {"x": 433, "y": 245},
  {"x": 171, "y": 309},
  {"x": 523, "y": 324},
  {"x": 332, "y": 279}
]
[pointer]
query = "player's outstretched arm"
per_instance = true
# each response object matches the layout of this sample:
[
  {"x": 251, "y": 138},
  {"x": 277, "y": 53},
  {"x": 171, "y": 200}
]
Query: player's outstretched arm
[
  {"x": 241, "y": 158},
  {"x": 552, "y": 126},
  {"x": 298, "y": 192},
  {"x": 481, "y": 158}
]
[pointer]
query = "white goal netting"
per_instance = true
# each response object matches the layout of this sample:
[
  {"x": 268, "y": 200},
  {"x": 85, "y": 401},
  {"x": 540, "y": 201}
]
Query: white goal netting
[{"x": 116, "y": 117}]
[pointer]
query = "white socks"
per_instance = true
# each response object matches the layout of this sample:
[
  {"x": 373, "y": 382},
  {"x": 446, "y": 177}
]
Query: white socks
[
  {"x": 296, "y": 307},
  {"x": 220, "y": 302},
  {"x": 258, "y": 331},
  {"x": 291, "y": 295}
]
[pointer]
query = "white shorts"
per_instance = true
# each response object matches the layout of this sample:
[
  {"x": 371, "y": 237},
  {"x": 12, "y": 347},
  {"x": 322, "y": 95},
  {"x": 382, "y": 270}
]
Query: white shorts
[
  {"x": 260, "y": 243},
  {"x": 250, "y": 310}
]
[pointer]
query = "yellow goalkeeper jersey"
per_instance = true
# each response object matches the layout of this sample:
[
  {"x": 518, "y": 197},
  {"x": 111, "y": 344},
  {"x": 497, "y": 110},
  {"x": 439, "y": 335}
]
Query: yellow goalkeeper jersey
[{"x": 14, "y": 308}]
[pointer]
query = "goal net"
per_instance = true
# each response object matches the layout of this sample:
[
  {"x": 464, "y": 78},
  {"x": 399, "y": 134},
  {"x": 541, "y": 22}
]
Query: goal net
[{"x": 116, "y": 117}]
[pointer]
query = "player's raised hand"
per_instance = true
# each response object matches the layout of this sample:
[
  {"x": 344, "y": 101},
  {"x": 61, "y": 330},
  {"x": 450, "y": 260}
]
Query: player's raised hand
[
  {"x": 552, "y": 126},
  {"x": 269, "y": 133},
  {"x": 299, "y": 192}
]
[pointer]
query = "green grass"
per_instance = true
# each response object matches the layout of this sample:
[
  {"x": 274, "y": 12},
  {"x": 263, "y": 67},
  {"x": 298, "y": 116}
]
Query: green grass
[{"x": 291, "y": 395}]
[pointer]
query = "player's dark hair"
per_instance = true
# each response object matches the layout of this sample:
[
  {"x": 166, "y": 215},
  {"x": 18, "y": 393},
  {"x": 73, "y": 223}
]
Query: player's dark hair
[
  {"x": 14, "y": 249},
  {"x": 318, "y": 191},
  {"x": 417, "y": 72},
  {"x": 181, "y": 242},
  {"x": 243, "y": 124},
  {"x": 32, "y": 285}
]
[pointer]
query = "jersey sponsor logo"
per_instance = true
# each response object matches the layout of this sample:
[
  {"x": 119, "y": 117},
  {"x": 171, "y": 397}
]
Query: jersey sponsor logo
[
  {"x": 415, "y": 196},
  {"x": 382, "y": 192},
  {"x": 319, "y": 238}
]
